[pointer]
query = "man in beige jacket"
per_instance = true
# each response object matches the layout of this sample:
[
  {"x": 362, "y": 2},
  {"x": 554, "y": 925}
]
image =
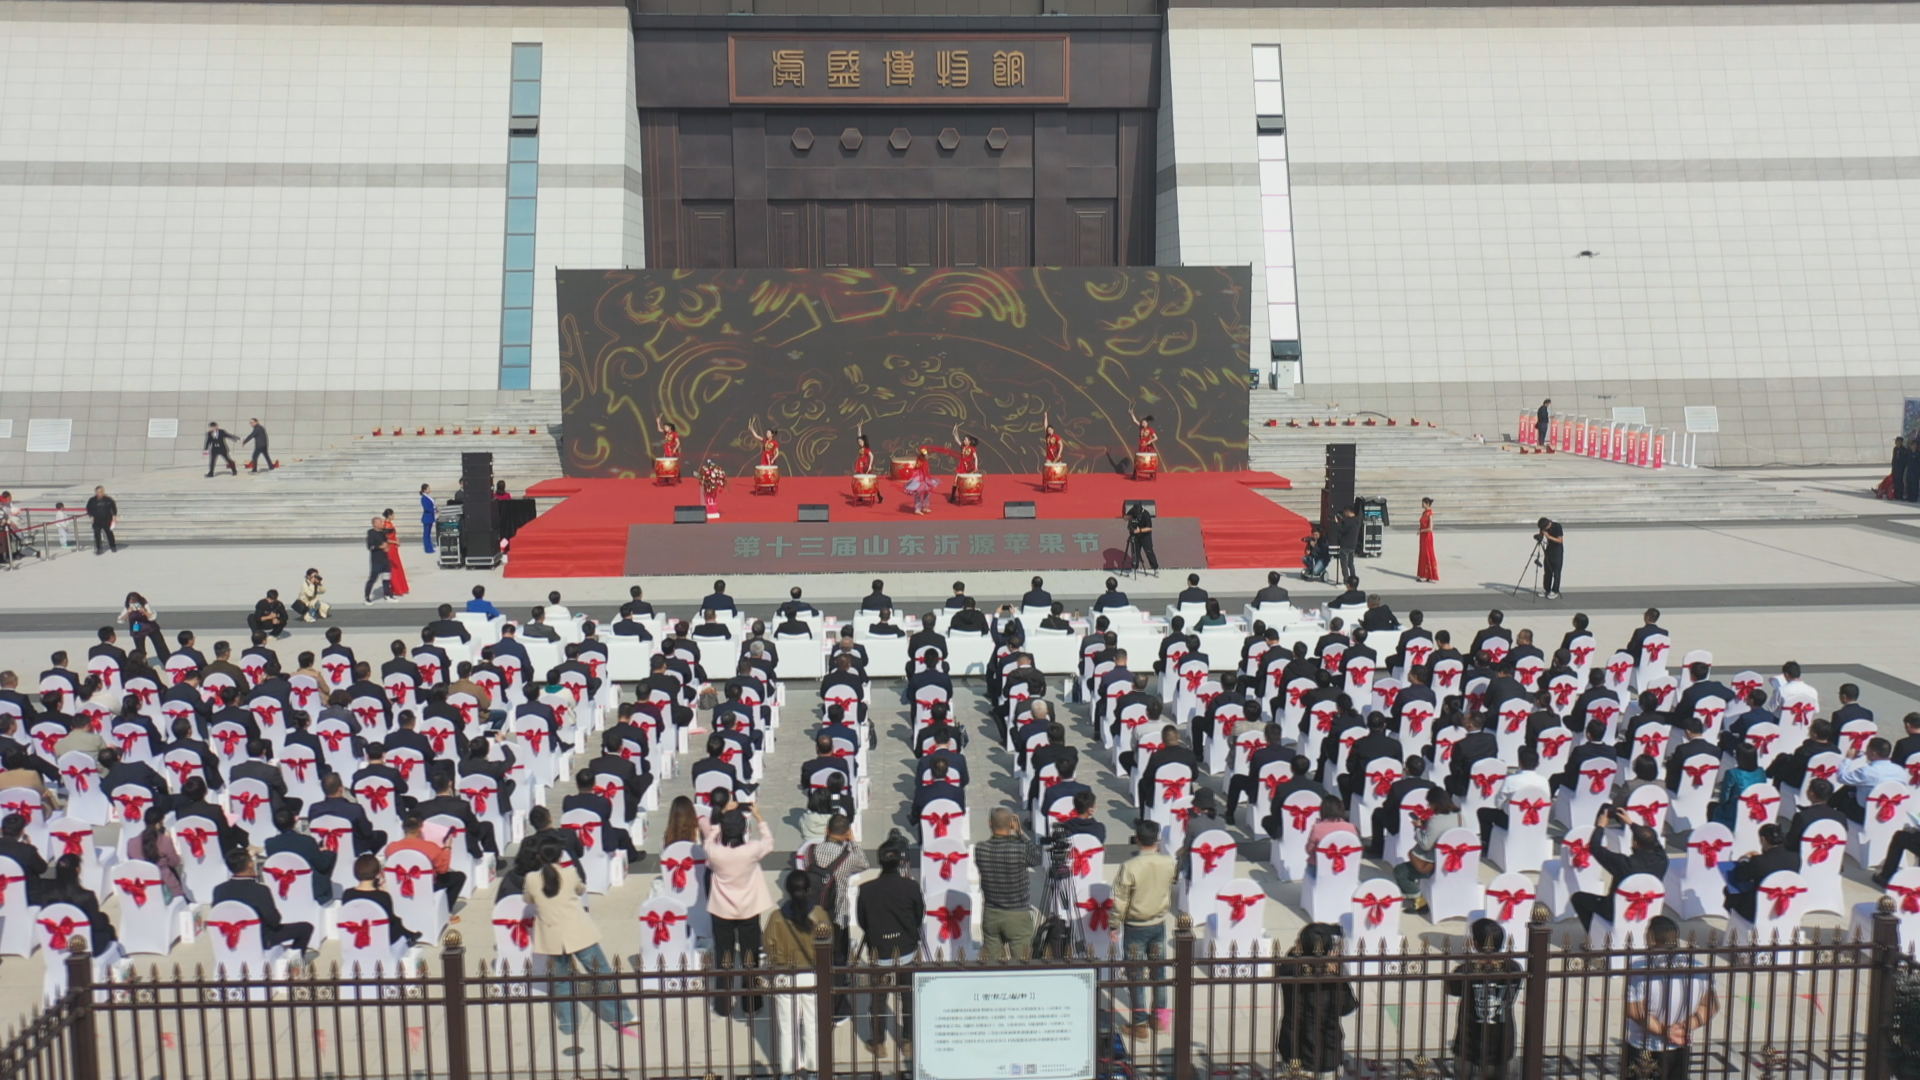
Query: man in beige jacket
[{"x": 1142, "y": 896}]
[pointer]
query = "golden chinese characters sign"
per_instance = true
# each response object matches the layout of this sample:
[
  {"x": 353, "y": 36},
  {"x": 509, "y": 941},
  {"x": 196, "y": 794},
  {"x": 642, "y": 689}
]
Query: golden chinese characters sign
[{"x": 769, "y": 69}]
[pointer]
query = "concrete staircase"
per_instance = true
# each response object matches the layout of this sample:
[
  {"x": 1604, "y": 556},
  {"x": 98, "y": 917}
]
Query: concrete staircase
[
  {"x": 330, "y": 494},
  {"x": 1475, "y": 483}
]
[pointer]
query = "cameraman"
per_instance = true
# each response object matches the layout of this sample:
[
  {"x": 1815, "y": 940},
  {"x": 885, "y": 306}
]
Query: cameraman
[
  {"x": 1140, "y": 532},
  {"x": 308, "y": 604},
  {"x": 1554, "y": 540},
  {"x": 1649, "y": 856}
]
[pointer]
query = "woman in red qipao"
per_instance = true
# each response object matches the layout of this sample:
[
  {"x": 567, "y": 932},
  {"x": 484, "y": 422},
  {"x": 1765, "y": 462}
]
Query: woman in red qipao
[
  {"x": 1429, "y": 567},
  {"x": 1149, "y": 438},
  {"x": 863, "y": 462},
  {"x": 969, "y": 452},
  {"x": 1056, "y": 446},
  {"x": 769, "y": 444},
  {"x": 397, "y": 585}
]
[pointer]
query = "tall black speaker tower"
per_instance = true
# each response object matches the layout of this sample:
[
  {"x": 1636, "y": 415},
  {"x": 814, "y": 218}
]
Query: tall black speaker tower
[
  {"x": 1336, "y": 492},
  {"x": 479, "y": 531}
]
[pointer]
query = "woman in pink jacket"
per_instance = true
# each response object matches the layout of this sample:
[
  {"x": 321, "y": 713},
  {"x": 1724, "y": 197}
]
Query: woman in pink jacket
[{"x": 737, "y": 894}]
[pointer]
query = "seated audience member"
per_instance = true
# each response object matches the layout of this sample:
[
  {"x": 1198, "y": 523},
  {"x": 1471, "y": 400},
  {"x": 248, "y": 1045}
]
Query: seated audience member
[
  {"x": 370, "y": 884},
  {"x": 1646, "y": 855},
  {"x": 15, "y": 845},
  {"x": 481, "y": 604},
  {"x": 1861, "y": 773},
  {"x": 413, "y": 838},
  {"x": 152, "y": 844},
  {"x": 1421, "y": 862},
  {"x": 246, "y": 887},
  {"x": 65, "y": 887},
  {"x": 1743, "y": 883},
  {"x": 291, "y": 839}
]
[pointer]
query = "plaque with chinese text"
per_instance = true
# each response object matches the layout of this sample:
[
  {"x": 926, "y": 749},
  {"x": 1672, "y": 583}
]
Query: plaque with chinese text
[
  {"x": 1039, "y": 1024},
  {"x": 1014, "y": 69}
]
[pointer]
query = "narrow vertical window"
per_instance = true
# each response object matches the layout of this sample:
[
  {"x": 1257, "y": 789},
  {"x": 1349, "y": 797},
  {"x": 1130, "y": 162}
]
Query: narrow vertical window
[
  {"x": 523, "y": 192},
  {"x": 1276, "y": 210}
]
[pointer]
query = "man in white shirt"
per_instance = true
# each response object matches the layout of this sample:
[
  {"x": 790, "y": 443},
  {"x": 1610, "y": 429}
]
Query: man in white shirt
[
  {"x": 556, "y": 613},
  {"x": 1668, "y": 997}
]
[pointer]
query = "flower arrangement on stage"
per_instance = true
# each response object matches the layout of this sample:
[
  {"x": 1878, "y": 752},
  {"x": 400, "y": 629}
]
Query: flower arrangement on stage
[{"x": 712, "y": 478}]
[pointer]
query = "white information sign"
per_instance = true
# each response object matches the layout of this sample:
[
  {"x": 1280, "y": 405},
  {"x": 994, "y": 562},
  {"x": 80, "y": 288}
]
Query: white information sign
[
  {"x": 163, "y": 429},
  {"x": 1629, "y": 414},
  {"x": 49, "y": 436},
  {"x": 1703, "y": 419},
  {"x": 989, "y": 1025},
  {"x": 6, "y": 429}
]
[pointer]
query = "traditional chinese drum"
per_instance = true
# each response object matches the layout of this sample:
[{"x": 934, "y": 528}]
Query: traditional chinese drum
[
  {"x": 902, "y": 469},
  {"x": 866, "y": 488},
  {"x": 666, "y": 470},
  {"x": 968, "y": 487},
  {"x": 766, "y": 479},
  {"x": 1053, "y": 474},
  {"x": 1146, "y": 464}
]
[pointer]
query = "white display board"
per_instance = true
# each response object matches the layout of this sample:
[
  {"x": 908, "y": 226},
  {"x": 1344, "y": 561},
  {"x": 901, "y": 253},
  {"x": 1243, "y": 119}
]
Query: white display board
[
  {"x": 163, "y": 429},
  {"x": 987, "y": 1025},
  {"x": 1703, "y": 419},
  {"x": 49, "y": 436},
  {"x": 1629, "y": 414},
  {"x": 6, "y": 429}
]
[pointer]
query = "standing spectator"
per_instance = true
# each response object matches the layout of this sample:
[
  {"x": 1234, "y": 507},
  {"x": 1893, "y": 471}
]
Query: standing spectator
[
  {"x": 258, "y": 437},
  {"x": 215, "y": 447},
  {"x": 142, "y": 623},
  {"x": 379, "y": 567},
  {"x": 837, "y": 859},
  {"x": 429, "y": 510},
  {"x": 1006, "y": 863},
  {"x": 308, "y": 605},
  {"x": 737, "y": 895},
  {"x": 105, "y": 514},
  {"x": 1142, "y": 896},
  {"x": 1483, "y": 1036},
  {"x": 1668, "y": 996},
  {"x": 1310, "y": 1010},
  {"x": 566, "y": 937},
  {"x": 891, "y": 911},
  {"x": 790, "y": 935}
]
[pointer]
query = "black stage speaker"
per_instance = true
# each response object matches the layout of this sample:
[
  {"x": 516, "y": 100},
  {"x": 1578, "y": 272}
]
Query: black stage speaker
[
  {"x": 1340, "y": 455},
  {"x": 1127, "y": 505},
  {"x": 813, "y": 512},
  {"x": 689, "y": 515},
  {"x": 1336, "y": 491},
  {"x": 1017, "y": 511},
  {"x": 479, "y": 522}
]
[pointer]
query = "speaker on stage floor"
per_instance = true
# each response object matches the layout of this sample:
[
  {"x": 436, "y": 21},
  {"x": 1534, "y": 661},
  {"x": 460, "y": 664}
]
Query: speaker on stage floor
[
  {"x": 1340, "y": 455},
  {"x": 479, "y": 518},
  {"x": 1017, "y": 511},
  {"x": 813, "y": 512},
  {"x": 1127, "y": 505},
  {"x": 689, "y": 515}
]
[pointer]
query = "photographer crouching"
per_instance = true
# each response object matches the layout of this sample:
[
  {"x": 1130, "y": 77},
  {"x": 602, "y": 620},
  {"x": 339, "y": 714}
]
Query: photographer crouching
[{"x": 308, "y": 605}]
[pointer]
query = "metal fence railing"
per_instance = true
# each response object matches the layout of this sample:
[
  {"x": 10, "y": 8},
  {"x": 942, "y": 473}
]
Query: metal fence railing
[{"x": 1831, "y": 1008}]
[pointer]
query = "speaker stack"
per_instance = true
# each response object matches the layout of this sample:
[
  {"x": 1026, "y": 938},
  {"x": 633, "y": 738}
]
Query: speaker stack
[
  {"x": 479, "y": 531},
  {"x": 1336, "y": 493}
]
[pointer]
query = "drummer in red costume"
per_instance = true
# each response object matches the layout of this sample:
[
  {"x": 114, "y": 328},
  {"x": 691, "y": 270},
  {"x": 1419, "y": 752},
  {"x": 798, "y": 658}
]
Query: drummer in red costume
[
  {"x": 969, "y": 452},
  {"x": 769, "y": 444},
  {"x": 1056, "y": 447},
  {"x": 669, "y": 438},
  {"x": 863, "y": 463},
  {"x": 1149, "y": 438}
]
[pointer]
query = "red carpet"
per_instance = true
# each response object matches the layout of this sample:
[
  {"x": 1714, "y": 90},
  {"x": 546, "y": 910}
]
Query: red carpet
[{"x": 586, "y": 536}]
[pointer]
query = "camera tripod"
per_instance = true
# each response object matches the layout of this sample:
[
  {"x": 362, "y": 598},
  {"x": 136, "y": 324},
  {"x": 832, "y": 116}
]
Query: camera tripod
[{"x": 1535, "y": 559}]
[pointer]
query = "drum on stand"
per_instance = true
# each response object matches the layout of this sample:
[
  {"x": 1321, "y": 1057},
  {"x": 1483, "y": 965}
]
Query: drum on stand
[
  {"x": 766, "y": 479},
  {"x": 1146, "y": 464},
  {"x": 969, "y": 487},
  {"x": 1053, "y": 476},
  {"x": 666, "y": 470},
  {"x": 902, "y": 469},
  {"x": 866, "y": 488}
]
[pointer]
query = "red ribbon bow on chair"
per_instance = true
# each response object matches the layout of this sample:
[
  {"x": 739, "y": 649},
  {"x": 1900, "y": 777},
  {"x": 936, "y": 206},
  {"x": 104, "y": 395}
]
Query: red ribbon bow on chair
[
  {"x": 1082, "y": 862},
  {"x": 1383, "y": 781},
  {"x": 128, "y": 740},
  {"x": 333, "y": 738},
  {"x": 1388, "y": 695},
  {"x": 1529, "y": 676},
  {"x": 662, "y": 924},
  {"x": 1418, "y": 654},
  {"x": 1488, "y": 783},
  {"x": 182, "y": 770},
  {"x": 947, "y": 860},
  {"x": 1662, "y": 692},
  {"x": 330, "y": 838},
  {"x": 1710, "y": 851},
  {"x": 49, "y": 740},
  {"x": 362, "y": 931},
  {"x": 250, "y": 803},
  {"x": 950, "y": 919},
  {"x": 1909, "y": 898},
  {"x": 1762, "y": 743},
  {"x": 1579, "y": 852},
  {"x": 1618, "y": 669},
  {"x": 1515, "y": 718},
  {"x": 1823, "y": 847},
  {"x": 1359, "y": 674},
  {"x": 1211, "y": 854},
  {"x": 429, "y": 672},
  {"x": 1173, "y": 789},
  {"x": 1800, "y": 710},
  {"x": 1508, "y": 900},
  {"x": 1757, "y": 807},
  {"x": 1476, "y": 699},
  {"x": 267, "y": 713},
  {"x": 1303, "y": 817},
  {"x": 197, "y": 840},
  {"x": 438, "y": 736},
  {"x": 608, "y": 791},
  {"x": 1445, "y": 744},
  {"x": 1639, "y": 904},
  {"x": 1885, "y": 807},
  {"x": 584, "y": 830},
  {"x": 146, "y": 694},
  {"x": 1456, "y": 856},
  {"x": 404, "y": 764},
  {"x": 137, "y": 888},
  {"x": 4, "y": 882},
  {"x": 1240, "y": 905},
  {"x": 1531, "y": 809},
  {"x": 369, "y": 715},
  {"x": 1099, "y": 913},
  {"x": 336, "y": 672},
  {"x": 1294, "y": 694},
  {"x": 1698, "y": 774},
  {"x": 940, "y": 823},
  {"x": 1194, "y": 679},
  {"x": 1857, "y": 740},
  {"x": 73, "y": 843},
  {"x": 133, "y": 808},
  {"x": 1650, "y": 812},
  {"x": 1551, "y": 745},
  {"x": 478, "y": 796},
  {"x": 229, "y": 741},
  {"x": 231, "y": 931},
  {"x": 1377, "y": 906},
  {"x": 519, "y": 931},
  {"x": 61, "y": 931},
  {"x": 299, "y": 765},
  {"x": 537, "y": 736},
  {"x": 1782, "y": 898},
  {"x": 1651, "y": 743},
  {"x": 409, "y": 877},
  {"x": 680, "y": 868},
  {"x": 379, "y": 796},
  {"x": 1420, "y": 813},
  {"x": 1602, "y": 779},
  {"x": 1338, "y": 855},
  {"x": 1563, "y": 693},
  {"x": 284, "y": 878},
  {"x": 303, "y": 694},
  {"x": 1323, "y": 719},
  {"x": 1707, "y": 715},
  {"x": 1446, "y": 675}
]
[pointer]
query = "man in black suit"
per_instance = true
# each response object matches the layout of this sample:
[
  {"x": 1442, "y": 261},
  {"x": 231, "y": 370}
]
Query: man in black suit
[
  {"x": 1851, "y": 709},
  {"x": 612, "y": 837},
  {"x": 1386, "y": 817},
  {"x": 959, "y": 598},
  {"x": 1817, "y": 793},
  {"x": 1245, "y": 785},
  {"x": 627, "y": 626},
  {"x": 635, "y": 779},
  {"x": 1379, "y": 616},
  {"x": 1112, "y": 598},
  {"x": 291, "y": 839},
  {"x": 1478, "y": 745},
  {"x": 367, "y": 840},
  {"x": 1193, "y": 593},
  {"x": 1171, "y": 752},
  {"x": 215, "y": 447},
  {"x": 796, "y": 607},
  {"x": 928, "y": 635},
  {"x": 718, "y": 600},
  {"x": 509, "y": 645},
  {"x": 446, "y": 626},
  {"x": 968, "y": 620},
  {"x": 1347, "y": 533},
  {"x": 1790, "y": 770},
  {"x": 1036, "y": 597},
  {"x": 1743, "y": 885},
  {"x": 876, "y": 599},
  {"x": 15, "y": 846},
  {"x": 1372, "y": 746},
  {"x": 1056, "y": 618},
  {"x": 480, "y": 836},
  {"x": 537, "y": 627},
  {"x": 1273, "y": 593},
  {"x": 940, "y": 784},
  {"x": 1594, "y": 749},
  {"x": 246, "y": 888},
  {"x": 1649, "y": 626},
  {"x": 116, "y": 773}
]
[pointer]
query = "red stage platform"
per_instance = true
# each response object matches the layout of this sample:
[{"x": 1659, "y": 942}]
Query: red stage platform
[{"x": 586, "y": 536}]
